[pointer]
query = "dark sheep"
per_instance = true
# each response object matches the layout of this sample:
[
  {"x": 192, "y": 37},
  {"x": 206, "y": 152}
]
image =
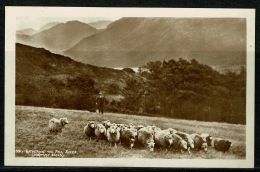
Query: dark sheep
[
  {"x": 146, "y": 138},
  {"x": 199, "y": 142},
  {"x": 222, "y": 144},
  {"x": 128, "y": 136},
  {"x": 89, "y": 129}
]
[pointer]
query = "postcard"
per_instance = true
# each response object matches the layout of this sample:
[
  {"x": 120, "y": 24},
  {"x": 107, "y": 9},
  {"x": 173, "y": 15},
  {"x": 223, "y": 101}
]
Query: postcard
[{"x": 129, "y": 87}]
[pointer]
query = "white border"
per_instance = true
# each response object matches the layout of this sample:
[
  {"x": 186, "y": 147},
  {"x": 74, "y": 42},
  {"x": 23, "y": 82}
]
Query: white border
[{"x": 10, "y": 28}]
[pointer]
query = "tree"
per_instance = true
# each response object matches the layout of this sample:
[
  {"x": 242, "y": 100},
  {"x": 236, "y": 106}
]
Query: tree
[
  {"x": 132, "y": 95},
  {"x": 84, "y": 92},
  {"x": 188, "y": 90}
]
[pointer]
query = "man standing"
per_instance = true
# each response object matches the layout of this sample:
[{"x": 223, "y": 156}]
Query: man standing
[{"x": 100, "y": 101}]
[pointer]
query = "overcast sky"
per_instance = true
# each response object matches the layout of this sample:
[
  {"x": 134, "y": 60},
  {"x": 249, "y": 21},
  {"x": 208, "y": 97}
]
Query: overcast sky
[{"x": 38, "y": 22}]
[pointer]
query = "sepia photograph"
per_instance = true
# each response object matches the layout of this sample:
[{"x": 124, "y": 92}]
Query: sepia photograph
[{"x": 129, "y": 87}]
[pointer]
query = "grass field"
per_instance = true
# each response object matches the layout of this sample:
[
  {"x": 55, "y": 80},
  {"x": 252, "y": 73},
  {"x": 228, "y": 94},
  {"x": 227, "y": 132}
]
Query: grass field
[{"x": 33, "y": 139}]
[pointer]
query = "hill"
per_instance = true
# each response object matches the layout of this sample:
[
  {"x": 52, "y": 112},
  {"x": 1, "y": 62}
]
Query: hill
[
  {"x": 132, "y": 42},
  {"x": 31, "y": 132},
  {"x": 47, "y": 79},
  {"x": 59, "y": 37}
]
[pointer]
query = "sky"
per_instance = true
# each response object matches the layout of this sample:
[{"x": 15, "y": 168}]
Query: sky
[{"x": 37, "y": 22}]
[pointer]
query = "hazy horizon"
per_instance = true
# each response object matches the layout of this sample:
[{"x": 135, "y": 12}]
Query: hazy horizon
[{"x": 37, "y": 22}]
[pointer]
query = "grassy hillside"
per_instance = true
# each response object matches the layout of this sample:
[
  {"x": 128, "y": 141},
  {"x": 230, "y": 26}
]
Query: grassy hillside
[
  {"x": 42, "y": 76},
  {"x": 31, "y": 133}
]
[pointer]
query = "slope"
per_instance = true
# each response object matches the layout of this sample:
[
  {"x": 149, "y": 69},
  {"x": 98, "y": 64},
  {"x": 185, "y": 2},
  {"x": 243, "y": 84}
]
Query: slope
[{"x": 41, "y": 73}]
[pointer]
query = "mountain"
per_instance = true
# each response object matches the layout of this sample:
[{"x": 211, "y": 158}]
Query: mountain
[
  {"x": 132, "y": 42},
  {"x": 60, "y": 37},
  {"x": 48, "y": 26},
  {"x": 100, "y": 24},
  {"x": 27, "y": 32},
  {"x": 30, "y": 31}
]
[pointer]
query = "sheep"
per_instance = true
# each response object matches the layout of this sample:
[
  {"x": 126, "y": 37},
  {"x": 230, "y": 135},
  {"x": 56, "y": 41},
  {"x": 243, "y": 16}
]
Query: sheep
[
  {"x": 106, "y": 123},
  {"x": 207, "y": 137},
  {"x": 187, "y": 138},
  {"x": 138, "y": 127},
  {"x": 221, "y": 144},
  {"x": 145, "y": 137},
  {"x": 100, "y": 131},
  {"x": 131, "y": 125},
  {"x": 116, "y": 126},
  {"x": 128, "y": 136},
  {"x": 56, "y": 125},
  {"x": 163, "y": 139},
  {"x": 171, "y": 130},
  {"x": 120, "y": 125},
  {"x": 199, "y": 142},
  {"x": 113, "y": 135},
  {"x": 89, "y": 129},
  {"x": 153, "y": 129},
  {"x": 178, "y": 143}
]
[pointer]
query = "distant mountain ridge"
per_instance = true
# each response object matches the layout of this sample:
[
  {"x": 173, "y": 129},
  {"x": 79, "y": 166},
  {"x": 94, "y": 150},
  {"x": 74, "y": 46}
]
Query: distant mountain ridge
[
  {"x": 59, "y": 37},
  {"x": 132, "y": 42},
  {"x": 27, "y": 32},
  {"x": 48, "y": 26},
  {"x": 30, "y": 31}
]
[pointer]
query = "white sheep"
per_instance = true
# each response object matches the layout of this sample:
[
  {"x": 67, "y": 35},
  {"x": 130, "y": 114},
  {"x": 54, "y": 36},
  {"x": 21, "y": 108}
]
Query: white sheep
[
  {"x": 89, "y": 129},
  {"x": 56, "y": 125},
  {"x": 100, "y": 131},
  {"x": 128, "y": 136},
  {"x": 163, "y": 139},
  {"x": 199, "y": 142},
  {"x": 146, "y": 138},
  {"x": 187, "y": 138},
  {"x": 113, "y": 135},
  {"x": 178, "y": 143}
]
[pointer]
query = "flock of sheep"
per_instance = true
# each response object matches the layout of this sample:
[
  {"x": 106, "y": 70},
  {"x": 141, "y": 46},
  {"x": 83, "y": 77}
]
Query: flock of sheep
[{"x": 148, "y": 137}]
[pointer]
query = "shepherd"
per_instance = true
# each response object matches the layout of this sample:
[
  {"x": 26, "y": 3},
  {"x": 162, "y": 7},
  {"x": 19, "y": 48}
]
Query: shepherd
[{"x": 100, "y": 101}]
